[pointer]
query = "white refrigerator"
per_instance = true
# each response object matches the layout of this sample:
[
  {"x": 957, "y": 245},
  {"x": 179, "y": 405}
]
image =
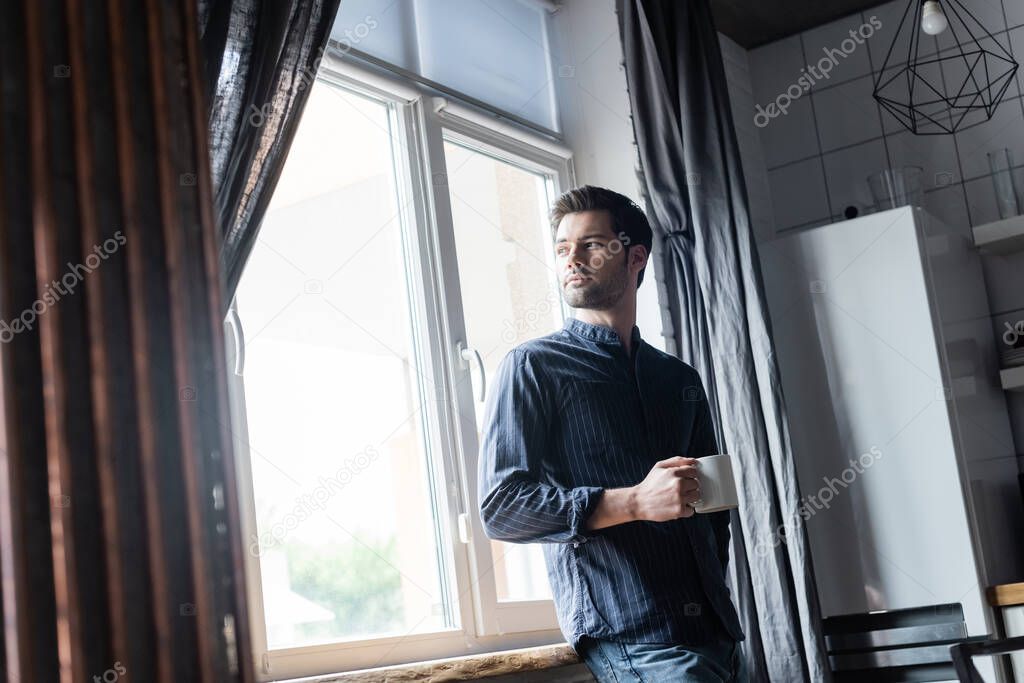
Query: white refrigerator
[{"x": 899, "y": 427}]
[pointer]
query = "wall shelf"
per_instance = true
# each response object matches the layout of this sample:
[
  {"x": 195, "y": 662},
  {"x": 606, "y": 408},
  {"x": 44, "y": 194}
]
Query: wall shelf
[
  {"x": 1012, "y": 378},
  {"x": 1000, "y": 237}
]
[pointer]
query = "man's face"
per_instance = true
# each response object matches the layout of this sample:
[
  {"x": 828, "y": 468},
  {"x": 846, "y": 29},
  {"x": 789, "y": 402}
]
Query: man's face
[{"x": 591, "y": 261}]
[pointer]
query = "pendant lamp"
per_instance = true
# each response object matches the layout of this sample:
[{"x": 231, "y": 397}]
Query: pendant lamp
[{"x": 944, "y": 71}]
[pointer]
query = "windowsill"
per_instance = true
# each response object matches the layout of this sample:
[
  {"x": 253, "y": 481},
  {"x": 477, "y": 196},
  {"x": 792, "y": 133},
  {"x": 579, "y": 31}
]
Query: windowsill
[{"x": 470, "y": 667}]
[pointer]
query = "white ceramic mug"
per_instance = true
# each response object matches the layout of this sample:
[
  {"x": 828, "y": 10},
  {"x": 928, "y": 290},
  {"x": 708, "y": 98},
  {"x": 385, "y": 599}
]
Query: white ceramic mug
[{"x": 717, "y": 484}]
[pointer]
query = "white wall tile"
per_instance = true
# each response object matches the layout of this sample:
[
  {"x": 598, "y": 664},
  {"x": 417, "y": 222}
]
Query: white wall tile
[
  {"x": 850, "y": 52},
  {"x": 891, "y": 124},
  {"x": 847, "y": 114},
  {"x": 936, "y": 154},
  {"x": 981, "y": 200},
  {"x": 774, "y": 67},
  {"x": 949, "y": 205},
  {"x": 847, "y": 171},
  {"x": 1015, "y": 403},
  {"x": 1014, "y": 12},
  {"x": 1017, "y": 47},
  {"x": 798, "y": 193},
  {"x": 957, "y": 71},
  {"x": 789, "y": 136},
  {"x": 1004, "y": 129},
  {"x": 732, "y": 53},
  {"x": 890, "y": 15},
  {"x": 1004, "y": 278},
  {"x": 748, "y": 139},
  {"x": 988, "y": 12}
]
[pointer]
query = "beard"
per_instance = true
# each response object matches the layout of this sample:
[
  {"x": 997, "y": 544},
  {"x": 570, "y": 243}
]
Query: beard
[{"x": 596, "y": 294}]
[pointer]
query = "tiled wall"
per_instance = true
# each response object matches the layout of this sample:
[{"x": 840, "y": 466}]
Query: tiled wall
[
  {"x": 834, "y": 137},
  {"x": 741, "y": 98},
  {"x": 805, "y": 167}
]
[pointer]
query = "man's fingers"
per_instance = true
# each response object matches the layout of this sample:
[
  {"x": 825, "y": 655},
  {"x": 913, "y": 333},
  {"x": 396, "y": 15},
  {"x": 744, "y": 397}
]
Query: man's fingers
[
  {"x": 675, "y": 461},
  {"x": 688, "y": 485},
  {"x": 686, "y": 471}
]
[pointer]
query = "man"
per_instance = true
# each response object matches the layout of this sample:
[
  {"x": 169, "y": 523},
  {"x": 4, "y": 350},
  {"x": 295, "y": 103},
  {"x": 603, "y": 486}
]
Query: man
[{"x": 589, "y": 446}]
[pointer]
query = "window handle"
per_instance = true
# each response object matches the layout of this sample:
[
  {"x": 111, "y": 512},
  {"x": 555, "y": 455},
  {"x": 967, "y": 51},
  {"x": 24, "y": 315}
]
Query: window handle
[
  {"x": 466, "y": 355},
  {"x": 235, "y": 323},
  {"x": 465, "y": 531}
]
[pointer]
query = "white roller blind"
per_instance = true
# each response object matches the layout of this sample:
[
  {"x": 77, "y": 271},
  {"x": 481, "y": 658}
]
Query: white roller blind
[{"x": 494, "y": 50}]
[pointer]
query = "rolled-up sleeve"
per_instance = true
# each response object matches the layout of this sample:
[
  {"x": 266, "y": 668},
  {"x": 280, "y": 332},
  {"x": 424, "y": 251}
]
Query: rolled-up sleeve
[{"x": 515, "y": 506}]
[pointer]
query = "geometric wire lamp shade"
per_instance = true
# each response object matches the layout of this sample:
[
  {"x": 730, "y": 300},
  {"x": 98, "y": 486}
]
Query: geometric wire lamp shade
[{"x": 957, "y": 88}]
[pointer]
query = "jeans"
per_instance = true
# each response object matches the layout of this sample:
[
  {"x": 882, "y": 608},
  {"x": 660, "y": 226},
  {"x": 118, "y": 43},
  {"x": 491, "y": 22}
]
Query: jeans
[{"x": 614, "y": 662}]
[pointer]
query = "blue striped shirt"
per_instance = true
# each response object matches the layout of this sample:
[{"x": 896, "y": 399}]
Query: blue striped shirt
[{"x": 569, "y": 416}]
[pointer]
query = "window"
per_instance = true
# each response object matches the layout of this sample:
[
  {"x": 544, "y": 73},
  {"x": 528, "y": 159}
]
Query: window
[
  {"x": 509, "y": 295},
  {"x": 404, "y": 252}
]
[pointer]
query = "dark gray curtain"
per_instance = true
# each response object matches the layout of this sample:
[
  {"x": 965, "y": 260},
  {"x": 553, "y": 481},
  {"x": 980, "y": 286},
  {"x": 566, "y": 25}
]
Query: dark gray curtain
[
  {"x": 261, "y": 57},
  {"x": 693, "y": 186}
]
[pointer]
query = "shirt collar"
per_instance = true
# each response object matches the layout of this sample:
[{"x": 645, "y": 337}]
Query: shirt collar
[{"x": 599, "y": 333}]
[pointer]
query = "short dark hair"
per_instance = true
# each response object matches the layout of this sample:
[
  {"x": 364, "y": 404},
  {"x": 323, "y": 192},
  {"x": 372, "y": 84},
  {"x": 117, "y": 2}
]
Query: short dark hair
[{"x": 628, "y": 221}]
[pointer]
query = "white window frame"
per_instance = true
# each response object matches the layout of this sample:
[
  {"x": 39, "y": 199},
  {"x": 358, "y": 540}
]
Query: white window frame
[
  {"x": 463, "y": 127},
  {"x": 423, "y": 121}
]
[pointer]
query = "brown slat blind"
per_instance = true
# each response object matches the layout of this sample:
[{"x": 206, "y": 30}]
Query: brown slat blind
[{"x": 119, "y": 533}]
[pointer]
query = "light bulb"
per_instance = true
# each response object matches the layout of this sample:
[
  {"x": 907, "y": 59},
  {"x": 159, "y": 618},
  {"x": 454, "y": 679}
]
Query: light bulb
[{"x": 933, "y": 21}]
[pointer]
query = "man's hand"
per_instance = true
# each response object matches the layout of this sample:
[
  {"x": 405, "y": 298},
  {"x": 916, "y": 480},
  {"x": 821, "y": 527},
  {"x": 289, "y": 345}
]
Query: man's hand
[
  {"x": 668, "y": 491},
  {"x": 665, "y": 494}
]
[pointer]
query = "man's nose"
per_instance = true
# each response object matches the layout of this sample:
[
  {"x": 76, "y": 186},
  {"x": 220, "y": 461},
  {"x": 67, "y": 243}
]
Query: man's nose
[{"x": 574, "y": 261}]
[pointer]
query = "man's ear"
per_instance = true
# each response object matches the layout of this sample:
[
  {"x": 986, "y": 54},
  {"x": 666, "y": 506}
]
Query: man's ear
[{"x": 638, "y": 255}]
